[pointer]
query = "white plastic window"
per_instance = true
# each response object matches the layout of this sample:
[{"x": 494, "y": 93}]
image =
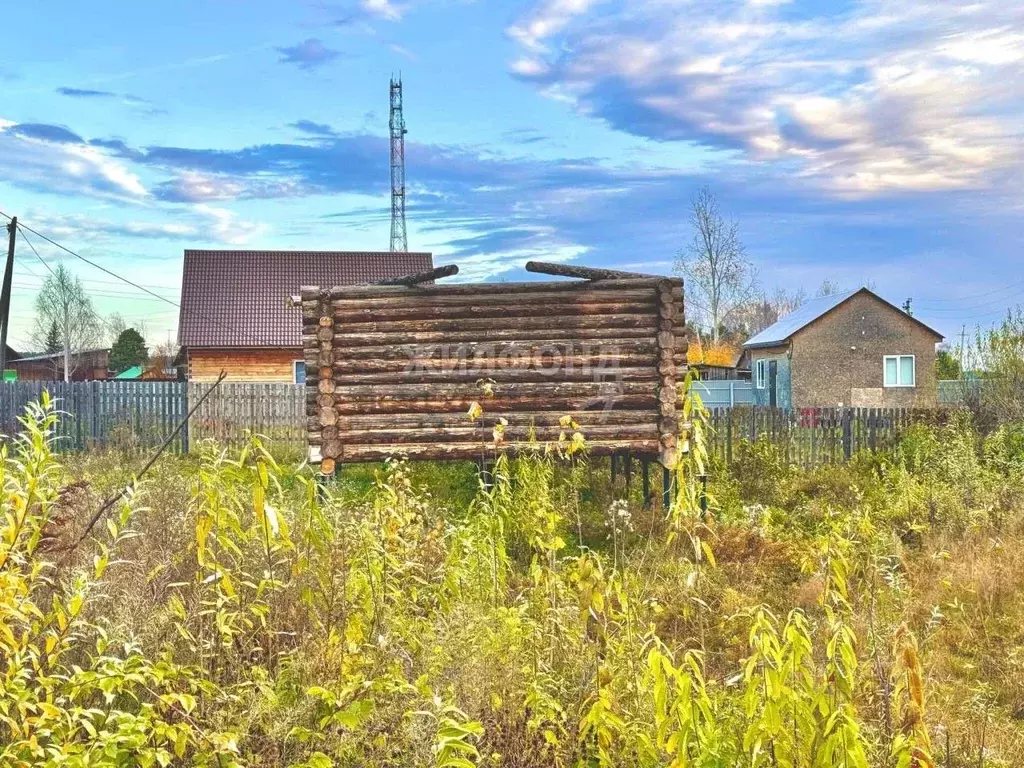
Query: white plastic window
[
  {"x": 898, "y": 371},
  {"x": 761, "y": 374}
]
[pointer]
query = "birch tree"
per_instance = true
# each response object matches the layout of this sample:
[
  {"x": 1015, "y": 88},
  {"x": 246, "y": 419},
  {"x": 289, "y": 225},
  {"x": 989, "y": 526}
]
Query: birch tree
[
  {"x": 714, "y": 264},
  {"x": 63, "y": 302}
]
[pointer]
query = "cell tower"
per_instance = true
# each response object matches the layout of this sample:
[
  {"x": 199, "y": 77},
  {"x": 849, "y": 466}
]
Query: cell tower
[{"x": 399, "y": 240}]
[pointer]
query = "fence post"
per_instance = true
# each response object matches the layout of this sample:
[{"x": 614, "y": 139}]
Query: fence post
[
  {"x": 728, "y": 437},
  {"x": 732, "y": 393},
  {"x": 183, "y": 404},
  {"x": 847, "y": 434}
]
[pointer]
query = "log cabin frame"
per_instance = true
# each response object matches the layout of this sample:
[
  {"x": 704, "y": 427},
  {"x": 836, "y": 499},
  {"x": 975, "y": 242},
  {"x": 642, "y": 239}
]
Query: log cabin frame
[{"x": 400, "y": 369}]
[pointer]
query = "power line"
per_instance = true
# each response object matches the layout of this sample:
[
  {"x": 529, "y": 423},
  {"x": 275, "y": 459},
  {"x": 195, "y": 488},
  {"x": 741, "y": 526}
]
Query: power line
[
  {"x": 94, "y": 264},
  {"x": 25, "y": 266},
  {"x": 1003, "y": 301},
  {"x": 25, "y": 238},
  {"x": 975, "y": 295},
  {"x": 113, "y": 274},
  {"x": 93, "y": 292}
]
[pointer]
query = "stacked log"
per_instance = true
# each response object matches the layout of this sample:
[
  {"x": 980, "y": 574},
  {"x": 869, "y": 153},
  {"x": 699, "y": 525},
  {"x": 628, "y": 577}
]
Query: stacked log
[{"x": 397, "y": 369}]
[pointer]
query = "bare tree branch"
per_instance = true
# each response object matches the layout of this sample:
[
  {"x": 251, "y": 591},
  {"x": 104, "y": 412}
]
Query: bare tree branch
[
  {"x": 766, "y": 309},
  {"x": 63, "y": 302},
  {"x": 714, "y": 263}
]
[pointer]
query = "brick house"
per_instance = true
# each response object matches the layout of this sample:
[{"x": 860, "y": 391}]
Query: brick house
[
  {"x": 234, "y": 314},
  {"x": 849, "y": 349}
]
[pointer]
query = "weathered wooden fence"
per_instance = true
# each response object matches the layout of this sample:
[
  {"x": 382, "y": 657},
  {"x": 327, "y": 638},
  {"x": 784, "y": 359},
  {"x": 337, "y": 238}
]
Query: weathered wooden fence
[
  {"x": 809, "y": 437},
  {"x": 275, "y": 411},
  {"x": 103, "y": 413}
]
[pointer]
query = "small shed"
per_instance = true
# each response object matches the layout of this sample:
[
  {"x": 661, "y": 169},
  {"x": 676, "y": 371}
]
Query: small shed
[
  {"x": 86, "y": 365},
  {"x": 849, "y": 349}
]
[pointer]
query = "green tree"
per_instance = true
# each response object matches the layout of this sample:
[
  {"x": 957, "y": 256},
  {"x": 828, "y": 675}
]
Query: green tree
[
  {"x": 53, "y": 342},
  {"x": 128, "y": 350},
  {"x": 999, "y": 353},
  {"x": 947, "y": 366}
]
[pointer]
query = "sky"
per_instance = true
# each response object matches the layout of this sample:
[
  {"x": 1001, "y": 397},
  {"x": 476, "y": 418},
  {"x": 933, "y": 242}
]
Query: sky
[{"x": 863, "y": 141}]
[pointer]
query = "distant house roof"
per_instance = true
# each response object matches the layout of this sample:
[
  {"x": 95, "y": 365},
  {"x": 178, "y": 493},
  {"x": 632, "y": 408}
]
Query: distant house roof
[
  {"x": 135, "y": 372},
  {"x": 60, "y": 354},
  {"x": 239, "y": 298},
  {"x": 808, "y": 312}
]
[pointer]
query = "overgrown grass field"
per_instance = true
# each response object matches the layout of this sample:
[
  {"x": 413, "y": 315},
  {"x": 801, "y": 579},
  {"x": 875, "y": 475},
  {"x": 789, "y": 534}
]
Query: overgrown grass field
[{"x": 226, "y": 614}]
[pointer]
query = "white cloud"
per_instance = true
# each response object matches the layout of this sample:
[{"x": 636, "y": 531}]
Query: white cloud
[
  {"x": 488, "y": 266},
  {"x": 227, "y": 228},
  {"x": 93, "y": 160},
  {"x": 29, "y": 158},
  {"x": 889, "y": 95},
  {"x": 384, "y": 9},
  {"x": 548, "y": 18}
]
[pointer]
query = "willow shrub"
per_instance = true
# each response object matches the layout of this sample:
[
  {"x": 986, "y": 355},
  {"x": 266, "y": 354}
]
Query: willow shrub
[{"x": 326, "y": 627}]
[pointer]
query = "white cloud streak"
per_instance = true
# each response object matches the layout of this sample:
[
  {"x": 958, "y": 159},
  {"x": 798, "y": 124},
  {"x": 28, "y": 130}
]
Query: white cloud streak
[
  {"x": 383, "y": 9},
  {"x": 65, "y": 167}
]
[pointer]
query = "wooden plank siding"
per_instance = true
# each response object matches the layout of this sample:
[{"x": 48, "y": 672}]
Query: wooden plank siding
[{"x": 244, "y": 364}]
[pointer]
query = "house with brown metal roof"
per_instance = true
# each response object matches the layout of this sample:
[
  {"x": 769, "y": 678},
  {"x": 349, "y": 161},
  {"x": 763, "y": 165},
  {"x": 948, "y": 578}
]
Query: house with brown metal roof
[{"x": 234, "y": 306}]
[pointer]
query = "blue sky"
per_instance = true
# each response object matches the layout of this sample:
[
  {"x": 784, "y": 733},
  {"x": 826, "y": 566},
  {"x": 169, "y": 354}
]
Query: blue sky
[{"x": 859, "y": 140}]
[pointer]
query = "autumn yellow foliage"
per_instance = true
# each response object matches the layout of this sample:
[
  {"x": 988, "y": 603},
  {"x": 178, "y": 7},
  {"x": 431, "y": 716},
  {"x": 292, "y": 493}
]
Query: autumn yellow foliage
[{"x": 713, "y": 354}]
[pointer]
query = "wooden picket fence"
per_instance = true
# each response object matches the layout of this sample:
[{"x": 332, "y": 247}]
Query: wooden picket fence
[
  {"x": 146, "y": 413},
  {"x": 93, "y": 413},
  {"x": 275, "y": 411},
  {"x": 809, "y": 437}
]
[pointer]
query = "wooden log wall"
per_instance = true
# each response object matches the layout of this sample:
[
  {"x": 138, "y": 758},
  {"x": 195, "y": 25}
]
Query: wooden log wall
[{"x": 396, "y": 369}]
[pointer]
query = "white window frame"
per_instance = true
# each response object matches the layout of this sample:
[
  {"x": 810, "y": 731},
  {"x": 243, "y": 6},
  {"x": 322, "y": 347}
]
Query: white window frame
[
  {"x": 295, "y": 371},
  {"x": 761, "y": 373},
  {"x": 898, "y": 359}
]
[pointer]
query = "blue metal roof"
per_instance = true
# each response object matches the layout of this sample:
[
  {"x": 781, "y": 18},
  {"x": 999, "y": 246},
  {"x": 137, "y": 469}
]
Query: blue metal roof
[{"x": 799, "y": 318}]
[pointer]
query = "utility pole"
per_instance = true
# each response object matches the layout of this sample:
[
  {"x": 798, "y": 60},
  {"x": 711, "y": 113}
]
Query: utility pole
[
  {"x": 963, "y": 334},
  {"x": 906, "y": 307},
  {"x": 5, "y": 293}
]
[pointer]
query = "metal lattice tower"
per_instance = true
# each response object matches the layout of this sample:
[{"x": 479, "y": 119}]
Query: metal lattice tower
[{"x": 399, "y": 240}]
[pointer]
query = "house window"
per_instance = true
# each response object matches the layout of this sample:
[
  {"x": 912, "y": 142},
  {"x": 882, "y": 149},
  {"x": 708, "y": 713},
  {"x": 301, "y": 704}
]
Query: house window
[
  {"x": 899, "y": 371},
  {"x": 761, "y": 374},
  {"x": 299, "y": 372}
]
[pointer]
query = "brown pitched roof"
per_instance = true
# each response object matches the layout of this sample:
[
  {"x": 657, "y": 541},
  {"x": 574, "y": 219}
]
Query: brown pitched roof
[{"x": 238, "y": 298}]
